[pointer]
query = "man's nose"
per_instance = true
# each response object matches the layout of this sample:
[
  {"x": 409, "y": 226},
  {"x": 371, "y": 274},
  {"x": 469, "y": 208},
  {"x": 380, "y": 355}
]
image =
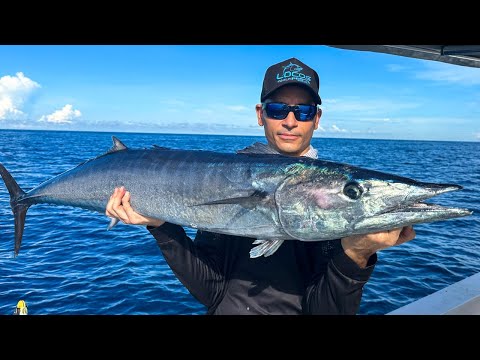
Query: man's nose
[{"x": 290, "y": 121}]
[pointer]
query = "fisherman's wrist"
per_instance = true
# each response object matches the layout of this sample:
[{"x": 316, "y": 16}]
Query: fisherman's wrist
[
  {"x": 157, "y": 224},
  {"x": 151, "y": 227}
]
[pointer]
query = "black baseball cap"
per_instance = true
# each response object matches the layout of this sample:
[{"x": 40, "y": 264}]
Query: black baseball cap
[{"x": 291, "y": 71}]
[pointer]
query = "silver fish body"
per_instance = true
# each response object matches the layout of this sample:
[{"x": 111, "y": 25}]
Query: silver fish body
[{"x": 252, "y": 193}]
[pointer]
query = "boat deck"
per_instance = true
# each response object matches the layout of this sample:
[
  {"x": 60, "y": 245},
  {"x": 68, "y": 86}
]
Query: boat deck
[{"x": 461, "y": 298}]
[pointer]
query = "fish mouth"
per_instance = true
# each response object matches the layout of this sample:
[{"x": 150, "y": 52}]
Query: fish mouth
[
  {"x": 412, "y": 210},
  {"x": 413, "y": 200},
  {"x": 433, "y": 209}
]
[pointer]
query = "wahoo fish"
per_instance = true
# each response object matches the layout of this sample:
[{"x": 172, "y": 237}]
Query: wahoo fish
[{"x": 255, "y": 193}]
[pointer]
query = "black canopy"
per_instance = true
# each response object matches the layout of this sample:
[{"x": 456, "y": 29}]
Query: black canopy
[{"x": 465, "y": 55}]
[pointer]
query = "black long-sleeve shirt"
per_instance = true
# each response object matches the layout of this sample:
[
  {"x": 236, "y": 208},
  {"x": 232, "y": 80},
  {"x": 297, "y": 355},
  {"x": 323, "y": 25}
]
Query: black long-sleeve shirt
[{"x": 299, "y": 278}]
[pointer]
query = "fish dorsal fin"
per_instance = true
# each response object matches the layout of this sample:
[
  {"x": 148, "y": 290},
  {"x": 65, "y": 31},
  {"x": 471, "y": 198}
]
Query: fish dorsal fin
[
  {"x": 117, "y": 145},
  {"x": 258, "y": 148}
]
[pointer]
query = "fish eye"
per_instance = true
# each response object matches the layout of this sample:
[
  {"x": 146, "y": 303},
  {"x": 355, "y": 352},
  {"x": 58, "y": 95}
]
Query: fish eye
[{"x": 353, "y": 190}]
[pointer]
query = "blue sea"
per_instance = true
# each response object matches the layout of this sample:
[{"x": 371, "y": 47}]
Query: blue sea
[{"x": 69, "y": 264}]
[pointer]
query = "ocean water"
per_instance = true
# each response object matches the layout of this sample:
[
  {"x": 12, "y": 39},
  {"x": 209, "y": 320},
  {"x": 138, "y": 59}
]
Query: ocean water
[{"x": 70, "y": 265}]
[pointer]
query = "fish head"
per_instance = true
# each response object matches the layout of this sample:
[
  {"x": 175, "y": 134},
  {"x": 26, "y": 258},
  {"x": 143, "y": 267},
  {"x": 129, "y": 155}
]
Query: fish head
[{"x": 331, "y": 202}]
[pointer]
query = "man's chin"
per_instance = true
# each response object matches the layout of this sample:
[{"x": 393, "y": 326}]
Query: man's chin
[{"x": 289, "y": 148}]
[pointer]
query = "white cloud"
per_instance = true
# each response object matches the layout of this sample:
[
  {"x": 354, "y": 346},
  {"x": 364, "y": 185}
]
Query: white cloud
[
  {"x": 332, "y": 129},
  {"x": 15, "y": 91},
  {"x": 8, "y": 109},
  {"x": 437, "y": 71},
  {"x": 450, "y": 73},
  {"x": 367, "y": 131},
  {"x": 335, "y": 128},
  {"x": 62, "y": 116},
  {"x": 477, "y": 136},
  {"x": 377, "y": 120},
  {"x": 330, "y": 101},
  {"x": 219, "y": 112},
  {"x": 206, "y": 128}
]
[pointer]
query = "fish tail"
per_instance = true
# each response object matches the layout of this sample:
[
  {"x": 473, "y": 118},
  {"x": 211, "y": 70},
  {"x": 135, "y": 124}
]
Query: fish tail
[{"x": 19, "y": 209}]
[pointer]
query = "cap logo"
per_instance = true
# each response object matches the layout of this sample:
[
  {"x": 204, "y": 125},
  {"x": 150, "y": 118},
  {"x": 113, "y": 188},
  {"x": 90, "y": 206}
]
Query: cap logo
[{"x": 292, "y": 72}]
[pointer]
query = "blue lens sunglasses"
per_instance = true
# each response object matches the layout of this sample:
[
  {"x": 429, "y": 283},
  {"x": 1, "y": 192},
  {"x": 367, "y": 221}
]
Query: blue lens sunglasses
[{"x": 279, "y": 111}]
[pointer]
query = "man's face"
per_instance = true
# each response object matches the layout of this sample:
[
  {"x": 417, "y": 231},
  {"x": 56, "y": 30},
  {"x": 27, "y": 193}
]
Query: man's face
[{"x": 289, "y": 136}]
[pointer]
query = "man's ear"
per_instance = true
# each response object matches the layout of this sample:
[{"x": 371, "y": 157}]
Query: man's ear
[
  {"x": 317, "y": 118},
  {"x": 259, "y": 111}
]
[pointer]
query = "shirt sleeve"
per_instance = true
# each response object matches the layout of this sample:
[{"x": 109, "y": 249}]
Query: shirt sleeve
[
  {"x": 195, "y": 263},
  {"x": 337, "y": 284}
]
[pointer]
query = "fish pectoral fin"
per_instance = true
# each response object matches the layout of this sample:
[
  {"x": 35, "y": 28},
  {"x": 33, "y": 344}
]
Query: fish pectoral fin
[
  {"x": 265, "y": 247},
  {"x": 113, "y": 222},
  {"x": 249, "y": 202}
]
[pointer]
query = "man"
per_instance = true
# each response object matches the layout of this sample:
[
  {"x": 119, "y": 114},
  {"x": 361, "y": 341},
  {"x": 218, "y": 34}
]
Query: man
[{"x": 324, "y": 277}]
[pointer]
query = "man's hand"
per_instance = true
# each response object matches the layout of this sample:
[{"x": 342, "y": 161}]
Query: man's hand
[
  {"x": 360, "y": 247},
  {"x": 119, "y": 207}
]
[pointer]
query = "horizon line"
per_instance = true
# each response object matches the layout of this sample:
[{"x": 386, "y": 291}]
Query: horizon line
[{"x": 207, "y": 134}]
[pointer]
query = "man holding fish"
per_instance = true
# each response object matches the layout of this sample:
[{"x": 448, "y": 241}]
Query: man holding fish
[{"x": 228, "y": 274}]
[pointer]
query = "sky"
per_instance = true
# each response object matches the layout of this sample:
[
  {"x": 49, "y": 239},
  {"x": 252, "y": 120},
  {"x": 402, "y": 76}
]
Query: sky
[{"x": 213, "y": 89}]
